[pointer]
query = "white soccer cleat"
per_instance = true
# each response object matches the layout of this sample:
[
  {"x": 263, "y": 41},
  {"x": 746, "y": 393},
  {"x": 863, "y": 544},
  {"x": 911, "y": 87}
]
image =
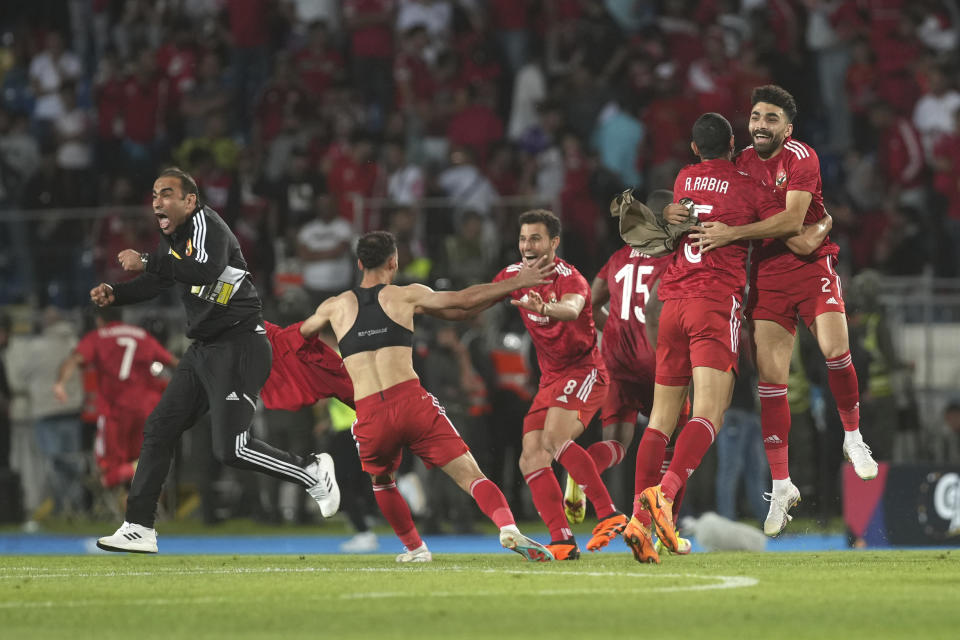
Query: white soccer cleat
[
  {"x": 511, "y": 538},
  {"x": 574, "y": 502},
  {"x": 132, "y": 538},
  {"x": 858, "y": 453},
  {"x": 325, "y": 491},
  {"x": 420, "y": 554},
  {"x": 363, "y": 542},
  {"x": 780, "y": 504}
]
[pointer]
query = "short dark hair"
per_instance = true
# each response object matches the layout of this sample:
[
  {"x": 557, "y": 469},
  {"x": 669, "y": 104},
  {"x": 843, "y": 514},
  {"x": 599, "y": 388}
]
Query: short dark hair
[
  {"x": 544, "y": 217},
  {"x": 375, "y": 248},
  {"x": 712, "y": 133},
  {"x": 775, "y": 95},
  {"x": 109, "y": 313},
  {"x": 187, "y": 183}
]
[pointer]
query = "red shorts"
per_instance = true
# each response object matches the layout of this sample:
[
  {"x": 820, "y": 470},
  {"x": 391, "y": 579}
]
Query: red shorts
[
  {"x": 118, "y": 441},
  {"x": 583, "y": 392},
  {"x": 404, "y": 415},
  {"x": 625, "y": 399},
  {"x": 805, "y": 292},
  {"x": 697, "y": 332}
]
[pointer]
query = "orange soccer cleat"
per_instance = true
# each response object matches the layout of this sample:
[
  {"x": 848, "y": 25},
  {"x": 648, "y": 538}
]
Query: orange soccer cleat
[
  {"x": 661, "y": 511},
  {"x": 564, "y": 549},
  {"x": 640, "y": 540},
  {"x": 606, "y": 530}
]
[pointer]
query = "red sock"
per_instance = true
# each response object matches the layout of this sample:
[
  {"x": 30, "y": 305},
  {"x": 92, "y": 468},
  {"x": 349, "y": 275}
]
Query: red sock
[
  {"x": 842, "y": 378},
  {"x": 548, "y": 499},
  {"x": 491, "y": 501},
  {"x": 395, "y": 510},
  {"x": 606, "y": 454},
  {"x": 579, "y": 464},
  {"x": 677, "y": 499},
  {"x": 650, "y": 454},
  {"x": 775, "y": 427},
  {"x": 697, "y": 436}
]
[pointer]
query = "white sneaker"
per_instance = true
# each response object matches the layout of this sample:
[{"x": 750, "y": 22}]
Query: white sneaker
[
  {"x": 860, "y": 455},
  {"x": 574, "y": 502},
  {"x": 511, "y": 538},
  {"x": 325, "y": 492},
  {"x": 420, "y": 554},
  {"x": 363, "y": 542},
  {"x": 780, "y": 503},
  {"x": 130, "y": 537}
]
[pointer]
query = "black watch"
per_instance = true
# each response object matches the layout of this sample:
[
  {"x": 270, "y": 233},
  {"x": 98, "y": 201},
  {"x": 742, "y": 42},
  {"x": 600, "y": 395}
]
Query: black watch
[{"x": 144, "y": 258}]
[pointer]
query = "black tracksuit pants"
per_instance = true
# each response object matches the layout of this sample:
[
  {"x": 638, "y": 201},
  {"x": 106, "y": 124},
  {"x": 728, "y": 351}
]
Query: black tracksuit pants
[{"x": 224, "y": 377}]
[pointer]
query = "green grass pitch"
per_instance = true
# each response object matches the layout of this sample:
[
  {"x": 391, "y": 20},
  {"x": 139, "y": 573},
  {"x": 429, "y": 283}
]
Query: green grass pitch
[{"x": 888, "y": 594}]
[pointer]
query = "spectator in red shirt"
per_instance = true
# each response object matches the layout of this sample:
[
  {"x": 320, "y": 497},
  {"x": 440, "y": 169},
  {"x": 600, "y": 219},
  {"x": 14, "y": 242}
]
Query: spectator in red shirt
[
  {"x": 475, "y": 124},
  {"x": 318, "y": 64},
  {"x": 248, "y": 20},
  {"x": 354, "y": 175},
  {"x": 667, "y": 119},
  {"x": 369, "y": 24},
  {"x": 280, "y": 97},
  {"x": 145, "y": 104},
  {"x": 900, "y": 156},
  {"x": 411, "y": 75}
]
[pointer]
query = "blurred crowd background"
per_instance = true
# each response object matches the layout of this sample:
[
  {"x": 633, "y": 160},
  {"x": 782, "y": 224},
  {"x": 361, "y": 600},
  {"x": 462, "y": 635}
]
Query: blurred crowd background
[{"x": 307, "y": 122}]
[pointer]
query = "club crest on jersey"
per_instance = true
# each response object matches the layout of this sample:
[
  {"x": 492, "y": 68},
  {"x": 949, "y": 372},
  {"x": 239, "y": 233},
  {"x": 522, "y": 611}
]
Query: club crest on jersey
[
  {"x": 781, "y": 177},
  {"x": 189, "y": 247}
]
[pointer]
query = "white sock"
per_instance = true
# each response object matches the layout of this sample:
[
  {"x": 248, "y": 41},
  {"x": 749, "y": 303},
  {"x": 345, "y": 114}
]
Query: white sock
[
  {"x": 510, "y": 527},
  {"x": 852, "y": 437},
  {"x": 779, "y": 486}
]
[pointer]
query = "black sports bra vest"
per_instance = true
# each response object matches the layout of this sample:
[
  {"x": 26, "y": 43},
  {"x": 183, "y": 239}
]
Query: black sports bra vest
[{"x": 373, "y": 329}]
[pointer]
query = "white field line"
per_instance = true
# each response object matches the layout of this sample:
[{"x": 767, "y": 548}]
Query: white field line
[{"x": 704, "y": 583}]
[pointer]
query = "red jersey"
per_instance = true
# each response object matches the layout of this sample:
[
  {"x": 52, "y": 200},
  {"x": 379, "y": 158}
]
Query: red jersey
[
  {"x": 561, "y": 346},
  {"x": 303, "y": 371},
  {"x": 720, "y": 193},
  {"x": 795, "y": 168},
  {"x": 630, "y": 275},
  {"x": 121, "y": 354}
]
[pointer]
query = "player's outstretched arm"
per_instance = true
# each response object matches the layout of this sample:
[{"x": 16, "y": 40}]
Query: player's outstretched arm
[
  {"x": 785, "y": 224},
  {"x": 812, "y": 236},
  {"x": 320, "y": 318},
  {"x": 599, "y": 295},
  {"x": 565, "y": 309},
  {"x": 480, "y": 296},
  {"x": 64, "y": 373}
]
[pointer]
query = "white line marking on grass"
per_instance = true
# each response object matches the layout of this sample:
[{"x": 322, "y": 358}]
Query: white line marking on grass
[{"x": 711, "y": 582}]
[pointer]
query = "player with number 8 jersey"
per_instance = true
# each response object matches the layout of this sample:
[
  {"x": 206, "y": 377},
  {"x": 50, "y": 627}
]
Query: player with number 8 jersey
[{"x": 573, "y": 386}]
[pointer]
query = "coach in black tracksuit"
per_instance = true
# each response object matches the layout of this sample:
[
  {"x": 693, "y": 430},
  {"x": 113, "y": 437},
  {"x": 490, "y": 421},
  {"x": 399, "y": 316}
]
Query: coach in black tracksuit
[{"x": 230, "y": 357}]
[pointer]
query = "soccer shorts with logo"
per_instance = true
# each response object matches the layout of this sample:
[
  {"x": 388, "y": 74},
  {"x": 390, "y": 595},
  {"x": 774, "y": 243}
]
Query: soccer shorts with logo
[
  {"x": 583, "y": 392},
  {"x": 625, "y": 399},
  {"x": 697, "y": 332},
  {"x": 404, "y": 415},
  {"x": 805, "y": 292}
]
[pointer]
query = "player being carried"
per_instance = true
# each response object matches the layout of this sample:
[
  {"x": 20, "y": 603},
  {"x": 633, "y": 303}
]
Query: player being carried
[
  {"x": 786, "y": 286},
  {"x": 374, "y": 327},
  {"x": 699, "y": 324}
]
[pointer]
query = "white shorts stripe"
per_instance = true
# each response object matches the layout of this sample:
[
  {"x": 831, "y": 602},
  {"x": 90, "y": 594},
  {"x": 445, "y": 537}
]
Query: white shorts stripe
[
  {"x": 587, "y": 386},
  {"x": 734, "y": 326},
  {"x": 262, "y": 460}
]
